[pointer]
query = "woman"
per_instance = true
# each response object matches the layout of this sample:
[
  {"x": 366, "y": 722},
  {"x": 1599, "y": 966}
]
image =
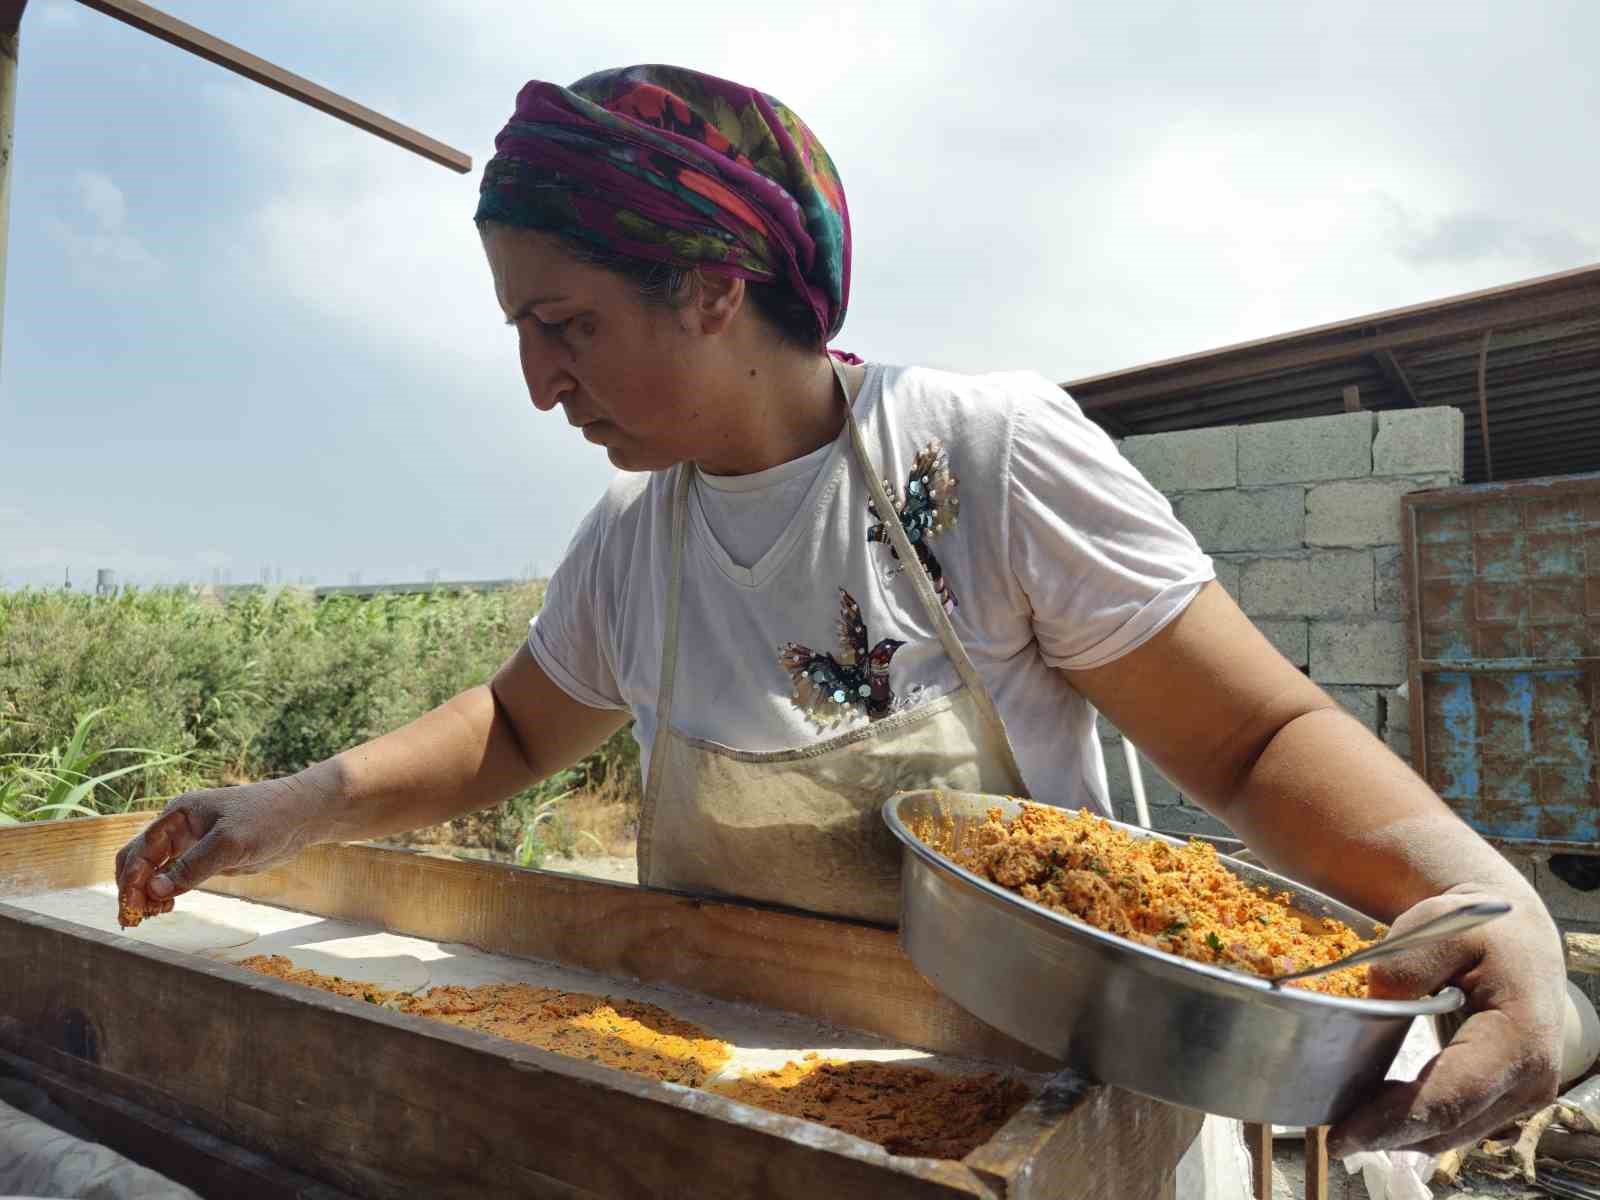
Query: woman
[{"x": 780, "y": 595}]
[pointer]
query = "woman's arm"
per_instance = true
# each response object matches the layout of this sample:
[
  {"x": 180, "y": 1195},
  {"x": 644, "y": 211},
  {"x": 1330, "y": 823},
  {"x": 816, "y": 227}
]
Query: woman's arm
[
  {"x": 471, "y": 752},
  {"x": 1235, "y": 726}
]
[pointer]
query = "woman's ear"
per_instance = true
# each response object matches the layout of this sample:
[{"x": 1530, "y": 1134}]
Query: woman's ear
[{"x": 715, "y": 300}]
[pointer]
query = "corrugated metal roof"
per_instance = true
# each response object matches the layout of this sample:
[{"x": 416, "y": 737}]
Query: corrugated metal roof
[{"x": 1542, "y": 375}]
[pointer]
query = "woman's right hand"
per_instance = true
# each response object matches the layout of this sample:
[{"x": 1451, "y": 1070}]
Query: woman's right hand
[{"x": 220, "y": 831}]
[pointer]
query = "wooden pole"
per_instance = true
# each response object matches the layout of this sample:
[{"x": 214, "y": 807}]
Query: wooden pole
[
  {"x": 1317, "y": 1163},
  {"x": 1259, "y": 1140},
  {"x": 10, "y": 25},
  {"x": 213, "y": 49},
  {"x": 185, "y": 36},
  {"x": 1396, "y": 376},
  {"x": 1352, "y": 399},
  {"x": 1483, "y": 405}
]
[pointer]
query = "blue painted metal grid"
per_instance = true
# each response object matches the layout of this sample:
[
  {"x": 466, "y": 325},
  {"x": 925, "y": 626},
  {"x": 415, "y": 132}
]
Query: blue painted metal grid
[{"x": 1506, "y": 605}]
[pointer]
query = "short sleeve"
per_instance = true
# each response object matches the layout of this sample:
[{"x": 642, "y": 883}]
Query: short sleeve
[
  {"x": 569, "y": 636},
  {"x": 1097, "y": 550}
]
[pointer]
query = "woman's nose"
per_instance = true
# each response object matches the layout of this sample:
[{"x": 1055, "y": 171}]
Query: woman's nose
[
  {"x": 545, "y": 396},
  {"x": 547, "y": 380}
]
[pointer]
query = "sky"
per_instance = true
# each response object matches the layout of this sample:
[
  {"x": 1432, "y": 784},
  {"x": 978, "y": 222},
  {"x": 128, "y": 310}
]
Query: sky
[{"x": 242, "y": 337}]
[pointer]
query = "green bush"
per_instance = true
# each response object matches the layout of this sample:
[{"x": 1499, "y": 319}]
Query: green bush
[{"x": 204, "y": 693}]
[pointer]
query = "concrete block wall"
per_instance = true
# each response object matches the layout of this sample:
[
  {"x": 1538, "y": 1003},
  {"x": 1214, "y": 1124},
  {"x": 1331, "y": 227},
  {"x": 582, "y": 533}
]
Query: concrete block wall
[
  {"x": 1302, "y": 519},
  {"x": 1569, "y": 885}
]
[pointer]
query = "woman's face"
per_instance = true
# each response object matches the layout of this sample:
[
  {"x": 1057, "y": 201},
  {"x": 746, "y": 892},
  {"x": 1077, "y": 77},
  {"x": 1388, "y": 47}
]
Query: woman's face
[{"x": 625, "y": 371}]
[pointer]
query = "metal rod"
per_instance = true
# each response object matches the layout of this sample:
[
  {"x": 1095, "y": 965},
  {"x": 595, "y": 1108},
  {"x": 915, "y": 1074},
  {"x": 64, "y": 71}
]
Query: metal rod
[
  {"x": 1468, "y": 916},
  {"x": 1483, "y": 404},
  {"x": 1141, "y": 807},
  {"x": 186, "y": 37}
]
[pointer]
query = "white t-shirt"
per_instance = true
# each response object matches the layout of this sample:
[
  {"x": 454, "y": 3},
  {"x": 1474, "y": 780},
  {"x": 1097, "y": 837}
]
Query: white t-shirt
[{"x": 1062, "y": 557}]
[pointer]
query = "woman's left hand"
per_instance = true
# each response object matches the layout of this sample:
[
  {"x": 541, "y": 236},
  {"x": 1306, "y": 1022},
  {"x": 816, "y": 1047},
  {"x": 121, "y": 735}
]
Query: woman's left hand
[
  {"x": 1503, "y": 1062},
  {"x": 1319, "y": 798}
]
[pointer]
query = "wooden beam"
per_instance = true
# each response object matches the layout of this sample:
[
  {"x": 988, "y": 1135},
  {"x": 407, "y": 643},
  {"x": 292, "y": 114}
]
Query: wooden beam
[
  {"x": 1554, "y": 297},
  {"x": 10, "y": 50},
  {"x": 1032, "y": 1156},
  {"x": 843, "y": 972},
  {"x": 45, "y": 856},
  {"x": 385, "y": 1104},
  {"x": 176, "y": 1149},
  {"x": 1583, "y": 953},
  {"x": 1483, "y": 405},
  {"x": 419, "y": 1107},
  {"x": 1394, "y": 374},
  {"x": 1258, "y": 1138},
  {"x": 224, "y": 54},
  {"x": 1317, "y": 1163}
]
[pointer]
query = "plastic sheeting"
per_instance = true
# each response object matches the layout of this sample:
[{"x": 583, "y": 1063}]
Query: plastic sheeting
[
  {"x": 1217, "y": 1164},
  {"x": 1401, "y": 1174},
  {"x": 42, "y": 1162}
]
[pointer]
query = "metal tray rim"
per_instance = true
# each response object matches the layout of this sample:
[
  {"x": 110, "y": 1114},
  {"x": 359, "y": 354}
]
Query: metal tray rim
[{"x": 1447, "y": 999}]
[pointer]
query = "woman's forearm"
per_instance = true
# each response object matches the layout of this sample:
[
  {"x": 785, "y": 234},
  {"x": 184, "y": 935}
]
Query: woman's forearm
[
  {"x": 1329, "y": 804},
  {"x": 463, "y": 755}
]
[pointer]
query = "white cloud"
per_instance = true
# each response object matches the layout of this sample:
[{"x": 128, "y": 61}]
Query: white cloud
[
  {"x": 102, "y": 200},
  {"x": 99, "y": 247},
  {"x": 1072, "y": 189}
]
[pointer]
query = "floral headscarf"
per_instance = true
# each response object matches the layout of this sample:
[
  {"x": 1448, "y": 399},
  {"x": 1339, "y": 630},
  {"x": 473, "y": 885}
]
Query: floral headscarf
[{"x": 669, "y": 165}]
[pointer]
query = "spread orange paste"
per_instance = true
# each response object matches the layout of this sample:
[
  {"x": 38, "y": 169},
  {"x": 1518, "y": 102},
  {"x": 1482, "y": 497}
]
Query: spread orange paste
[
  {"x": 628, "y": 1034},
  {"x": 905, "y": 1109}
]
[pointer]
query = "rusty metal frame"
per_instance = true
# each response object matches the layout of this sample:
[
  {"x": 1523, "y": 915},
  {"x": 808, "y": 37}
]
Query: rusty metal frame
[{"x": 1417, "y": 666}]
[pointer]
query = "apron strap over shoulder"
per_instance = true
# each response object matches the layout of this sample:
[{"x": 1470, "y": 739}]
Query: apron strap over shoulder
[
  {"x": 669, "y": 663},
  {"x": 925, "y": 593}
]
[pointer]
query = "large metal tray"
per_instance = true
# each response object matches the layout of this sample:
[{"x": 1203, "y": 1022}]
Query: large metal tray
[{"x": 1185, "y": 1032}]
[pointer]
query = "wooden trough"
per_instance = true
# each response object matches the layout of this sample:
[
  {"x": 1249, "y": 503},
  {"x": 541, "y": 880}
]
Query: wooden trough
[{"x": 243, "y": 1085}]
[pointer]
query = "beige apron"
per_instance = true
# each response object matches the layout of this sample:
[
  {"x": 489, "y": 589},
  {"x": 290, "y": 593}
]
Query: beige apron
[{"x": 802, "y": 827}]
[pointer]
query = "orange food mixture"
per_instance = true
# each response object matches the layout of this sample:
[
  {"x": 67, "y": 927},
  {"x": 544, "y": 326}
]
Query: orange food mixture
[
  {"x": 628, "y": 1034},
  {"x": 127, "y": 914},
  {"x": 1178, "y": 899},
  {"x": 905, "y": 1109}
]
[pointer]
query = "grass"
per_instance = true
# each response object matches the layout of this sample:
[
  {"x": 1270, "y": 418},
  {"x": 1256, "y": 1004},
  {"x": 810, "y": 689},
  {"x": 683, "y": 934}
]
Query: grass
[
  {"x": 109, "y": 704},
  {"x": 56, "y": 783}
]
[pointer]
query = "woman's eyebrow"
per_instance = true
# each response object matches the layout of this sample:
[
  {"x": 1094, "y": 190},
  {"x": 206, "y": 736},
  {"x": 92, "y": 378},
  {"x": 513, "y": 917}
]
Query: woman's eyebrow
[{"x": 526, "y": 310}]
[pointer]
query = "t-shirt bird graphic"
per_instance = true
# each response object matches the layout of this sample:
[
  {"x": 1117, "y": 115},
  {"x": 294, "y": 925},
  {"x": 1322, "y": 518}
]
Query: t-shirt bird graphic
[
  {"x": 927, "y": 509},
  {"x": 829, "y": 688}
]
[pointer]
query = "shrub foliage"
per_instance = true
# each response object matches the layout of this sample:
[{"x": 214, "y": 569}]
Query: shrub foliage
[{"x": 194, "y": 693}]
